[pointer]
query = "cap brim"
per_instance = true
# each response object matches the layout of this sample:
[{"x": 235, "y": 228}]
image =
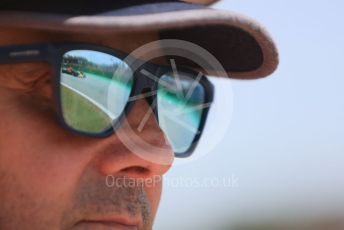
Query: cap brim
[
  {"x": 242, "y": 46},
  {"x": 203, "y": 2}
]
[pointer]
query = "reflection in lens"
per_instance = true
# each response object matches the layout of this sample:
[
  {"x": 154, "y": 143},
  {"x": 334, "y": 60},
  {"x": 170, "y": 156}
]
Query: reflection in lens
[
  {"x": 85, "y": 79},
  {"x": 180, "y": 108}
]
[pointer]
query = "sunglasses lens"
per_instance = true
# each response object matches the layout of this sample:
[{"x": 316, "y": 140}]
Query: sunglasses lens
[
  {"x": 180, "y": 102},
  {"x": 88, "y": 80}
]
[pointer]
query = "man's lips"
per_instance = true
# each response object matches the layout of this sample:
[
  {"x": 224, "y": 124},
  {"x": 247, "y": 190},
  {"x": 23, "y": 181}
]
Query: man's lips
[
  {"x": 105, "y": 225},
  {"x": 110, "y": 222}
]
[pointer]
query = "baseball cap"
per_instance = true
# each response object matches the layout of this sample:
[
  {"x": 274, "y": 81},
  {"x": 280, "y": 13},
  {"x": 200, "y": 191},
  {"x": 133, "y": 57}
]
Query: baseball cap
[{"x": 243, "y": 47}]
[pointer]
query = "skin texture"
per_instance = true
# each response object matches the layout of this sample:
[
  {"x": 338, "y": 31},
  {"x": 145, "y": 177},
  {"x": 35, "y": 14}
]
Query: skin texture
[{"x": 53, "y": 179}]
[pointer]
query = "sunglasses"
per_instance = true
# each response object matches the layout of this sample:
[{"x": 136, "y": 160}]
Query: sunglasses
[{"x": 95, "y": 88}]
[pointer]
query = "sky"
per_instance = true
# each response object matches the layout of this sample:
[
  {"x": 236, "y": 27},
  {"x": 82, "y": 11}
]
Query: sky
[{"x": 276, "y": 144}]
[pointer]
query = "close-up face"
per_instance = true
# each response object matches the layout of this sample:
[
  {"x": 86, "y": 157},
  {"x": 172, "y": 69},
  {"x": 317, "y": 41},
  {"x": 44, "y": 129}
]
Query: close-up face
[
  {"x": 99, "y": 99},
  {"x": 51, "y": 178}
]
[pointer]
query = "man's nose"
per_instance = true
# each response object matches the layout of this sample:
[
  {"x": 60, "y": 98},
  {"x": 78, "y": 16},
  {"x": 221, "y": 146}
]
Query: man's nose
[{"x": 138, "y": 148}]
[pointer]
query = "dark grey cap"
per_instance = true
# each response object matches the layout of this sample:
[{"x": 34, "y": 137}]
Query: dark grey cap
[{"x": 242, "y": 46}]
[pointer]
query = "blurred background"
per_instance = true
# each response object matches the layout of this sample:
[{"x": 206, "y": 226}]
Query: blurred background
[{"x": 280, "y": 163}]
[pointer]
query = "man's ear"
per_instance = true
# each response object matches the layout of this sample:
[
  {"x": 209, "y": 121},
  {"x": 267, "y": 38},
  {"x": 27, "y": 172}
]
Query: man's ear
[{"x": 204, "y": 2}]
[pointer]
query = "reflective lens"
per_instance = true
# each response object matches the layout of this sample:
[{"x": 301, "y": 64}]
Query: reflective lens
[
  {"x": 180, "y": 102},
  {"x": 88, "y": 80}
]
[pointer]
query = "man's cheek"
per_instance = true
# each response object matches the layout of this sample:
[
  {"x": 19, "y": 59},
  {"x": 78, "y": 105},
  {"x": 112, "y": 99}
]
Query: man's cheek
[
  {"x": 38, "y": 180},
  {"x": 26, "y": 199}
]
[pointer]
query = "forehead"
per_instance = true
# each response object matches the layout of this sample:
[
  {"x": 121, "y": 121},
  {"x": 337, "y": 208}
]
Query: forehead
[{"x": 125, "y": 41}]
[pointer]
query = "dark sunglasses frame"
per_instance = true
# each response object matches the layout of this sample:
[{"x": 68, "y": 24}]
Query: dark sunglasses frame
[{"x": 52, "y": 53}]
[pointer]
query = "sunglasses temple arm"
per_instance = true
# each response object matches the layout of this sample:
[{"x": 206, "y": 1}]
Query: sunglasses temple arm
[{"x": 25, "y": 53}]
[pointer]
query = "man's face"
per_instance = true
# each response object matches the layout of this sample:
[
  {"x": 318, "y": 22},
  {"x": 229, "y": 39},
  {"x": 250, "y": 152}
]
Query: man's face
[{"x": 53, "y": 179}]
